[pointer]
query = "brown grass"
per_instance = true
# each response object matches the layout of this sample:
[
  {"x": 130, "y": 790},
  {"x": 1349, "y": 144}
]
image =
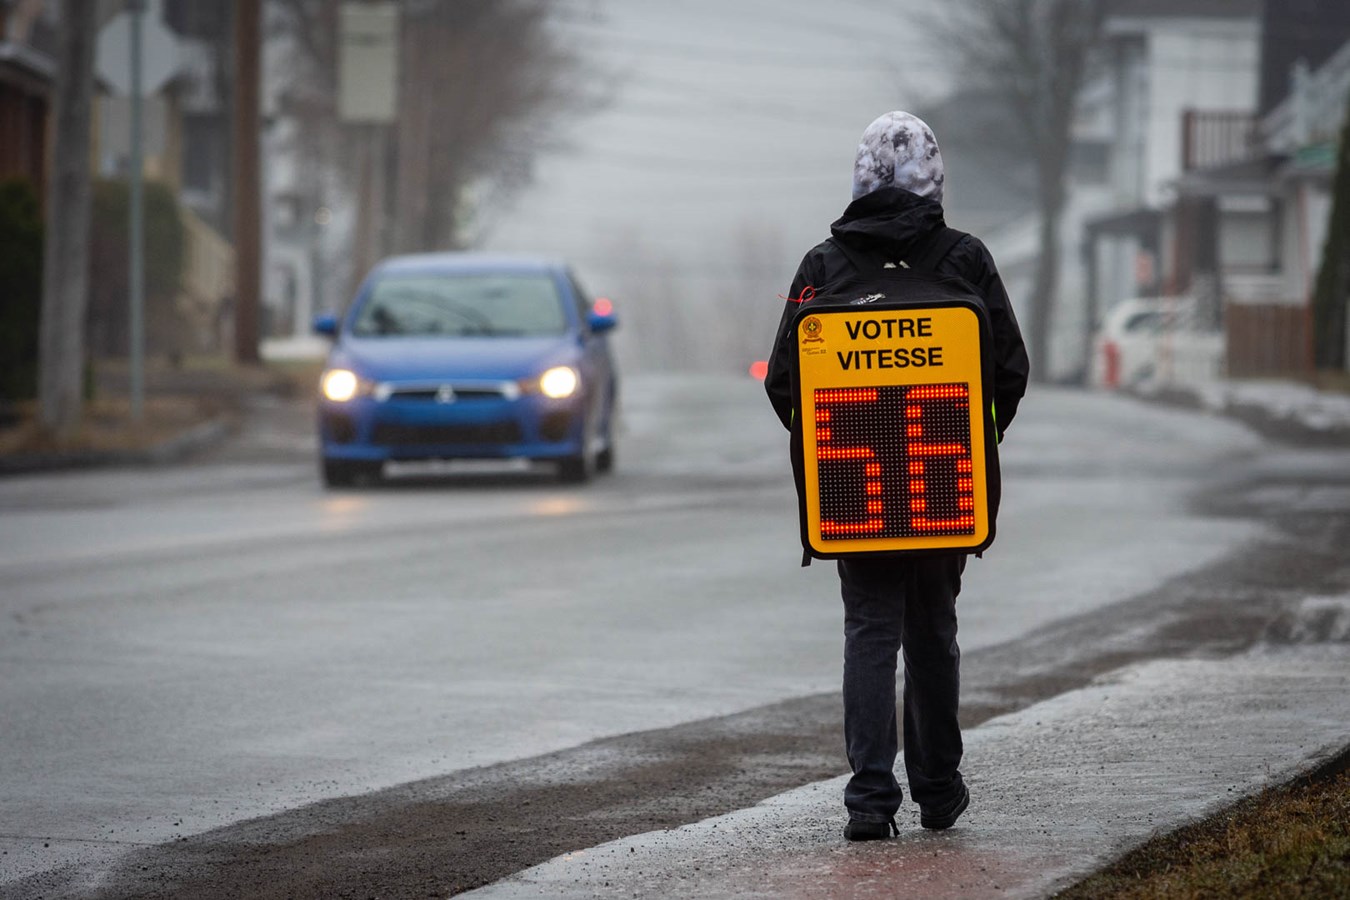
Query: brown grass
[
  {"x": 177, "y": 398},
  {"x": 107, "y": 426},
  {"x": 1285, "y": 842}
]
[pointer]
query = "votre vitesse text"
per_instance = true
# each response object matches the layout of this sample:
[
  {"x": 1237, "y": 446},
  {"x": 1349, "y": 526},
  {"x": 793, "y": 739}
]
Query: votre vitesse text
[{"x": 895, "y": 358}]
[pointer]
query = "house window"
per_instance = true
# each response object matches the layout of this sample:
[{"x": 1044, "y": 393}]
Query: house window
[{"x": 1249, "y": 238}]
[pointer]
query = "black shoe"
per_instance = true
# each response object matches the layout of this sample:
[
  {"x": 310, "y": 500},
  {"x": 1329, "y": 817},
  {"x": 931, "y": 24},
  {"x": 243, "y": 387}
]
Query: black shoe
[
  {"x": 938, "y": 818},
  {"x": 870, "y": 831}
]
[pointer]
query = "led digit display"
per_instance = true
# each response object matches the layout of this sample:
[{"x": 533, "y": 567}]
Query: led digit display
[
  {"x": 875, "y": 480},
  {"x": 894, "y": 455}
]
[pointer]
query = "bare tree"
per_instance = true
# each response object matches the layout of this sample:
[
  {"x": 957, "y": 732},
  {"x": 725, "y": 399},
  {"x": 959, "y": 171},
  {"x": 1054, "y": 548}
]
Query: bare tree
[
  {"x": 310, "y": 95},
  {"x": 484, "y": 81},
  {"x": 483, "y": 87},
  {"x": 247, "y": 180},
  {"x": 1035, "y": 55},
  {"x": 65, "y": 265}
]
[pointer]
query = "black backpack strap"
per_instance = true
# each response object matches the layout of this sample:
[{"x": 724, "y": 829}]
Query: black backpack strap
[
  {"x": 938, "y": 248},
  {"x": 854, "y": 258}
]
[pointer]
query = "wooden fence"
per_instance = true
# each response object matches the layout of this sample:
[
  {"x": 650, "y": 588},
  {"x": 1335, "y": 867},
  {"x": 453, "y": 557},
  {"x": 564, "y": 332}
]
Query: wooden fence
[{"x": 1267, "y": 339}]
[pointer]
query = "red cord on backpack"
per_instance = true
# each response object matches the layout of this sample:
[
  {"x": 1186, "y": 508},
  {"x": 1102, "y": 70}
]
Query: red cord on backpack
[{"x": 808, "y": 294}]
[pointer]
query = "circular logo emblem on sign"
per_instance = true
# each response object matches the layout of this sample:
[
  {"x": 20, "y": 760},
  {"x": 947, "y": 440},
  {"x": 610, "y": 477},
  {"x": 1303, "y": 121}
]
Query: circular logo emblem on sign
[{"x": 812, "y": 328}]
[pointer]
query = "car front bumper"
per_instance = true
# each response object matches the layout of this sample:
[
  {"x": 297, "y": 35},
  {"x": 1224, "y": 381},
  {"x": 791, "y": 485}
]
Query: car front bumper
[{"x": 528, "y": 426}]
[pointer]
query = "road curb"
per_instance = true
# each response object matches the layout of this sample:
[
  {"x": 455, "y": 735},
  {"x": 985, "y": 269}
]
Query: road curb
[{"x": 1062, "y": 788}]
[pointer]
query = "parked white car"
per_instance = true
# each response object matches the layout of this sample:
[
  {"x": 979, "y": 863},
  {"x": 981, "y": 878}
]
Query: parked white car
[{"x": 1146, "y": 337}]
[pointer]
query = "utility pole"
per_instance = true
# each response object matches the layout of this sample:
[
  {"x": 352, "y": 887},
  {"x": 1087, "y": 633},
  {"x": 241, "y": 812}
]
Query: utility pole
[
  {"x": 136, "y": 239},
  {"x": 247, "y": 181},
  {"x": 65, "y": 278}
]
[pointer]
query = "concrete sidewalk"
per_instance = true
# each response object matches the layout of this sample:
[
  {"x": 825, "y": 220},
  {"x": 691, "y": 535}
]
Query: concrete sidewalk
[{"x": 1058, "y": 791}]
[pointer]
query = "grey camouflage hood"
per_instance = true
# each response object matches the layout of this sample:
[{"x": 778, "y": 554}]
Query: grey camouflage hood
[{"x": 899, "y": 150}]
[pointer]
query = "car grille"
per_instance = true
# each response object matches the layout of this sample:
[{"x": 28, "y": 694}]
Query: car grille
[
  {"x": 396, "y": 435},
  {"x": 431, "y": 392}
]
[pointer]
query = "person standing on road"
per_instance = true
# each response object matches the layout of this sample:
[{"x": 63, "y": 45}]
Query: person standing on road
[{"x": 902, "y": 604}]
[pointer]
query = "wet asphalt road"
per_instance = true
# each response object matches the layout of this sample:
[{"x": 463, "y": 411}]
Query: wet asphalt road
[{"x": 220, "y": 681}]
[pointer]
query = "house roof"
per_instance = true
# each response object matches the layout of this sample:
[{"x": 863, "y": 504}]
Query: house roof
[
  {"x": 28, "y": 47},
  {"x": 1138, "y": 220},
  {"x": 22, "y": 65}
]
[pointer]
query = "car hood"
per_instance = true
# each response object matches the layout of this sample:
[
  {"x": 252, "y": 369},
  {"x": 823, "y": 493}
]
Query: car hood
[{"x": 441, "y": 358}]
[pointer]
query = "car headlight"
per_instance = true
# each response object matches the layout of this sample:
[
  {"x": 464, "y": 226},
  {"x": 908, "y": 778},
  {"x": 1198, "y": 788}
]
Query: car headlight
[
  {"x": 340, "y": 385},
  {"x": 559, "y": 382}
]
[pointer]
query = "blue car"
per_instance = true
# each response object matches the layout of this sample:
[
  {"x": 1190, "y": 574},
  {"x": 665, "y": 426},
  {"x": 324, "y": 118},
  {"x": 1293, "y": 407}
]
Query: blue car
[{"x": 464, "y": 356}]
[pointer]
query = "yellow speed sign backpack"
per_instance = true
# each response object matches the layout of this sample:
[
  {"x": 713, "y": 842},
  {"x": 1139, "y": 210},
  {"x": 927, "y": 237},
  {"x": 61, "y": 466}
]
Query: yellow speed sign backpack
[{"x": 894, "y": 446}]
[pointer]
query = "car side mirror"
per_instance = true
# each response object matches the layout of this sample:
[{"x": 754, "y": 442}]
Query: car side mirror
[
  {"x": 326, "y": 325},
  {"x": 602, "y": 318}
]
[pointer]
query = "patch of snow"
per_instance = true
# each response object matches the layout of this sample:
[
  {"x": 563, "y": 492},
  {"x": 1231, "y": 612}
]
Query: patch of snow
[{"x": 1315, "y": 410}]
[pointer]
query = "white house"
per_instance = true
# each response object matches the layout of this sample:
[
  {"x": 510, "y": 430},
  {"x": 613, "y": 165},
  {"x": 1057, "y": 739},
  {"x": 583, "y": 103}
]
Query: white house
[
  {"x": 1266, "y": 216},
  {"x": 1158, "y": 62},
  {"x": 1182, "y": 81}
]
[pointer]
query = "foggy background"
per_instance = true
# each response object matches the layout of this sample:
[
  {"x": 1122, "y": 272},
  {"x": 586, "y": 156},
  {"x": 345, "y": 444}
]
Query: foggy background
[
  {"x": 683, "y": 158},
  {"x": 723, "y": 152}
]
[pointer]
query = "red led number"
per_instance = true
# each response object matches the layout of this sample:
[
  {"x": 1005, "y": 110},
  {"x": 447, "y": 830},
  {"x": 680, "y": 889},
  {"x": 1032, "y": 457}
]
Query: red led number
[
  {"x": 852, "y": 458},
  {"x": 894, "y": 461}
]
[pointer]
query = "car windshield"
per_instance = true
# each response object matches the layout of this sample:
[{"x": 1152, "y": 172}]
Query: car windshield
[
  {"x": 1144, "y": 321},
  {"x": 462, "y": 305}
]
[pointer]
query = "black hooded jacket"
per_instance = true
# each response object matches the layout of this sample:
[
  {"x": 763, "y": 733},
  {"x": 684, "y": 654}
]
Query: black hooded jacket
[{"x": 889, "y": 224}]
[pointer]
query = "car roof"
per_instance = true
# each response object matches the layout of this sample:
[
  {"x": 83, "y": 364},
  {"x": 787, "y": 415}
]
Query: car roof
[{"x": 469, "y": 262}]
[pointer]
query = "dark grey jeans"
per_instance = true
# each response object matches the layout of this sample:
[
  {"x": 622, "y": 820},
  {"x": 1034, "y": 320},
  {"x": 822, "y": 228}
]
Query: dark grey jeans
[{"x": 890, "y": 605}]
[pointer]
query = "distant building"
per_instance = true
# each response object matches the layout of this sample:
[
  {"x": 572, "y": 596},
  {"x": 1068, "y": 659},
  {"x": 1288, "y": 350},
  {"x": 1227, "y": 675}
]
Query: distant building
[
  {"x": 1165, "y": 72},
  {"x": 1238, "y": 230},
  {"x": 1261, "y": 220},
  {"x": 27, "y": 72},
  {"x": 1181, "y": 85}
]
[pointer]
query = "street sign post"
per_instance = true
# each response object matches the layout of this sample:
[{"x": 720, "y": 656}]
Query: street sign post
[
  {"x": 897, "y": 441},
  {"x": 368, "y": 62},
  {"x": 136, "y": 239},
  {"x": 137, "y": 56}
]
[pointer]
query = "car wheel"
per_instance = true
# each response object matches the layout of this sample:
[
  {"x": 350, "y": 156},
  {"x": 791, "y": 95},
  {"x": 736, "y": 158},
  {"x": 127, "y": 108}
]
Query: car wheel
[
  {"x": 604, "y": 460},
  {"x": 576, "y": 469},
  {"x": 337, "y": 473}
]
